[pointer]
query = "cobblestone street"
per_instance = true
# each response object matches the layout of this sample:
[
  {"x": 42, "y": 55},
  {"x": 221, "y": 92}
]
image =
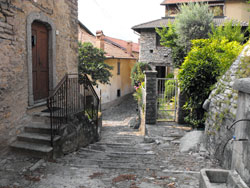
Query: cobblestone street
[{"x": 122, "y": 158}]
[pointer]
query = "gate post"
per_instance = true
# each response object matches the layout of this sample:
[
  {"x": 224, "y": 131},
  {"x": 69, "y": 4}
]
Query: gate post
[{"x": 151, "y": 97}]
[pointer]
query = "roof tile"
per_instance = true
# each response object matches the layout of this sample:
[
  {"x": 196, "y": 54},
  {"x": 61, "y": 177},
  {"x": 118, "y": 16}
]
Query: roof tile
[{"x": 111, "y": 50}]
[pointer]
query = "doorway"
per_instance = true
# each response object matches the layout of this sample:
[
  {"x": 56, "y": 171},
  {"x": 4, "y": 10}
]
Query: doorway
[{"x": 40, "y": 64}]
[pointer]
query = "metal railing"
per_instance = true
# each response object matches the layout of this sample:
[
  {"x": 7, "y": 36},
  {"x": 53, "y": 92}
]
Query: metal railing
[{"x": 72, "y": 96}]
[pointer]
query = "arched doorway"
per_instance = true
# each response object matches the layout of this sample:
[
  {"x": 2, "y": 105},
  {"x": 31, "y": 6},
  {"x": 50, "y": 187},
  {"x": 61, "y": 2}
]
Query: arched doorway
[{"x": 40, "y": 65}]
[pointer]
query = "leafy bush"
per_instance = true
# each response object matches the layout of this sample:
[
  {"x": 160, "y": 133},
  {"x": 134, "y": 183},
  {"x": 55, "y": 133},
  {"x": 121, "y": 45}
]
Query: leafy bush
[
  {"x": 169, "y": 39},
  {"x": 169, "y": 89},
  {"x": 170, "y": 75},
  {"x": 230, "y": 31},
  {"x": 91, "y": 62},
  {"x": 207, "y": 60},
  {"x": 138, "y": 94},
  {"x": 137, "y": 75},
  {"x": 193, "y": 22}
]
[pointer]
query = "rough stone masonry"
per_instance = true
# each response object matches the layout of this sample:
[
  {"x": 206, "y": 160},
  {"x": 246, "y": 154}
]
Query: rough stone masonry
[{"x": 61, "y": 18}]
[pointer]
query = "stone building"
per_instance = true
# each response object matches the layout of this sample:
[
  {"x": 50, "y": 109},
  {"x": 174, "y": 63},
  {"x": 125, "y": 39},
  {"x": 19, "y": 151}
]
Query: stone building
[
  {"x": 122, "y": 56},
  {"x": 151, "y": 51},
  {"x": 38, "y": 40}
]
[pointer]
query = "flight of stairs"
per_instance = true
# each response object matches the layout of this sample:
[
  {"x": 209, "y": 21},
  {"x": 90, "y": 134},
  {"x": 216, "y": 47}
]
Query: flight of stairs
[{"x": 35, "y": 140}]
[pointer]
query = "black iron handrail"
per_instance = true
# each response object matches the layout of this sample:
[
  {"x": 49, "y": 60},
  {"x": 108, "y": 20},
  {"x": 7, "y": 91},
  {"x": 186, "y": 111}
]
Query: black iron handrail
[{"x": 72, "y": 96}]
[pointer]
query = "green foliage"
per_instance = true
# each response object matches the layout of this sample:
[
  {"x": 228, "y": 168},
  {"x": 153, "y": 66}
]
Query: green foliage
[
  {"x": 244, "y": 68},
  {"x": 138, "y": 94},
  {"x": 169, "y": 89},
  {"x": 170, "y": 75},
  {"x": 91, "y": 62},
  {"x": 168, "y": 35},
  {"x": 137, "y": 75},
  {"x": 230, "y": 31},
  {"x": 207, "y": 60},
  {"x": 193, "y": 22}
]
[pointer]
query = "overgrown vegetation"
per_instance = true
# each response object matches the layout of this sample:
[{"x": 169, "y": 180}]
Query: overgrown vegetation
[
  {"x": 202, "y": 51},
  {"x": 137, "y": 76},
  {"x": 207, "y": 60},
  {"x": 230, "y": 31},
  {"x": 91, "y": 62},
  {"x": 169, "y": 89},
  {"x": 193, "y": 22}
]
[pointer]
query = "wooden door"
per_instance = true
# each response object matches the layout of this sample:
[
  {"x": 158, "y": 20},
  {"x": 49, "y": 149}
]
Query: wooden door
[{"x": 40, "y": 65}]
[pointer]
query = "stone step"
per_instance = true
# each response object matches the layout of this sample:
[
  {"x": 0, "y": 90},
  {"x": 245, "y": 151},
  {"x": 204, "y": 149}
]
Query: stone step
[
  {"x": 36, "y": 150},
  {"x": 37, "y": 138},
  {"x": 38, "y": 127},
  {"x": 118, "y": 149}
]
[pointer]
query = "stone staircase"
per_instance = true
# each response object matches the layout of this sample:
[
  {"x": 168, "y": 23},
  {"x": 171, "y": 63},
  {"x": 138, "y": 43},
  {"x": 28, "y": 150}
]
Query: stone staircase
[{"x": 35, "y": 140}]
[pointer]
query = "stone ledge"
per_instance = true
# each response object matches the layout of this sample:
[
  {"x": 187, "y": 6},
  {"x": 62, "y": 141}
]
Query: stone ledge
[
  {"x": 150, "y": 72},
  {"x": 242, "y": 85}
]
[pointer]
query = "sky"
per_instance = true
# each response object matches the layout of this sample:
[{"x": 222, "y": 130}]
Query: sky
[{"x": 116, "y": 17}]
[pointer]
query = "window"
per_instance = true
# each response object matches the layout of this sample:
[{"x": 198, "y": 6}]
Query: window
[
  {"x": 218, "y": 10},
  {"x": 158, "y": 40},
  {"x": 118, "y": 92},
  {"x": 118, "y": 68}
]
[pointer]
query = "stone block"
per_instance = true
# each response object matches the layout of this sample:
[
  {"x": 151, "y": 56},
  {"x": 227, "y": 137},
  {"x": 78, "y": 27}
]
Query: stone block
[
  {"x": 10, "y": 20},
  {"x": 6, "y": 36},
  {"x": 7, "y": 13},
  {"x": 242, "y": 85},
  {"x": 5, "y": 25}
]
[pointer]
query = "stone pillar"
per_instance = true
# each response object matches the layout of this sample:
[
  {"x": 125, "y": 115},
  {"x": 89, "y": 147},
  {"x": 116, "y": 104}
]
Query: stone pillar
[
  {"x": 151, "y": 97},
  {"x": 181, "y": 113},
  {"x": 241, "y": 145}
]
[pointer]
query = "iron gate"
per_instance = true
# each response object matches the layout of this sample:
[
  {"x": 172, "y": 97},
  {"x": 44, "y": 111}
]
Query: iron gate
[{"x": 166, "y": 99}]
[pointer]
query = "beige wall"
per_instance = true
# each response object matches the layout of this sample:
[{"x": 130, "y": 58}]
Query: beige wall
[
  {"x": 13, "y": 55},
  {"x": 122, "y": 81},
  {"x": 237, "y": 10}
]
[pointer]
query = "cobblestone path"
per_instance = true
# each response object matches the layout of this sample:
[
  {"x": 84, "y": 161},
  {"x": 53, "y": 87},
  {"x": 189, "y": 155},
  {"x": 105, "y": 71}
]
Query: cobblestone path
[{"x": 122, "y": 159}]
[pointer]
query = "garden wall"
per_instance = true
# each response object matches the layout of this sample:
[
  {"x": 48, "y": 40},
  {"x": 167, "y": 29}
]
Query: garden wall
[{"x": 221, "y": 109}]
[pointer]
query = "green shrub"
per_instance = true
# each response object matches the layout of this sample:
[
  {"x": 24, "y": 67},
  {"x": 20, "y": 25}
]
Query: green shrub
[
  {"x": 193, "y": 22},
  {"x": 229, "y": 31},
  {"x": 91, "y": 62},
  {"x": 169, "y": 89},
  {"x": 170, "y": 75},
  {"x": 137, "y": 75},
  {"x": 207, "y": 60}
]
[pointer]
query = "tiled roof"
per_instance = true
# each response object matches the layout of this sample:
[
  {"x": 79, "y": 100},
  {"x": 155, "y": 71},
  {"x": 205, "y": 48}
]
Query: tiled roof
[
  {"x": 111, "y": 50},
  {"x": 122, "y": 44},
  {"x": 164, "y": 22},
  {"x": 166, "y": 2}
]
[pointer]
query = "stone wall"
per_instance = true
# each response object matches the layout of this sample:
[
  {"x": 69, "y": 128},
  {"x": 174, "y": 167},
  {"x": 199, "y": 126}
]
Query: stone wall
[
  {"x": 151, "y": 53},
  {"x": 241, "y": 146},
  {"x": 80, "y": 132},
  {"x": 221, "y": 109},
  {"x": 14, "y": 74}
]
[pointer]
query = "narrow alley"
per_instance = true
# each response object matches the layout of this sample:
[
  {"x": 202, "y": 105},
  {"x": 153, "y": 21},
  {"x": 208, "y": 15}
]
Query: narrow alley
[{"x": 122, "y": 158}]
